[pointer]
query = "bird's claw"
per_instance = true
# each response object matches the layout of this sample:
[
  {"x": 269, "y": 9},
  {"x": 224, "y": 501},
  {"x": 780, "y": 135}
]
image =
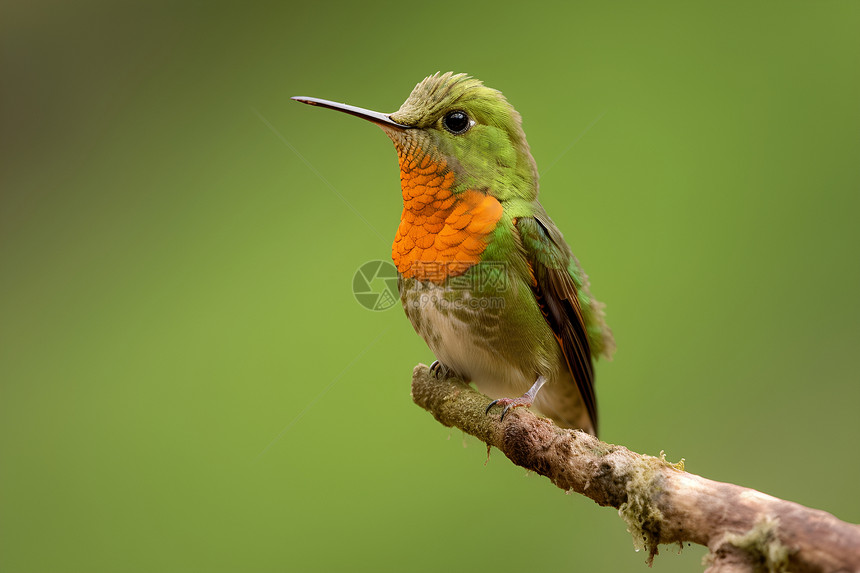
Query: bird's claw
[
  {"x": 439, "y": 370},
  {"x": 509, "y": 404}
]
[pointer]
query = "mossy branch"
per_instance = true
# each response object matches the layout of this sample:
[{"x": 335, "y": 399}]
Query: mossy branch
[{"x": 745, "y": 530}]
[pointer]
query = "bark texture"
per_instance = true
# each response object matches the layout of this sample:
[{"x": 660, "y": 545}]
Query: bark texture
[{"x": 745, "y": 530}]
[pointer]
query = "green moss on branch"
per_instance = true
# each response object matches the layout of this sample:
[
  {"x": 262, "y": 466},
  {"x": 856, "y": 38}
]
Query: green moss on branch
[{"x": 658, "y": 501}]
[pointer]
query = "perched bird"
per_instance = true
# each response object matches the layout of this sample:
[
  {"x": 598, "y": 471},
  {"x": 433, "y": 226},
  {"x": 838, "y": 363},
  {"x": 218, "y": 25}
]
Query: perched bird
[{"x": 485, "y": 276}]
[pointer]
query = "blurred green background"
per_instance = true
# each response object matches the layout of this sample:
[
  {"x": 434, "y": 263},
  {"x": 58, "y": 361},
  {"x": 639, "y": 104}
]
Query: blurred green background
[{"x": 187, "y": 383}]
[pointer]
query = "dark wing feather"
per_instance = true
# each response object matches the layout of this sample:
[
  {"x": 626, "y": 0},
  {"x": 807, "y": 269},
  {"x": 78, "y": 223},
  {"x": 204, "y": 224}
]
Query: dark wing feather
[{"x": 556, "y": 293}]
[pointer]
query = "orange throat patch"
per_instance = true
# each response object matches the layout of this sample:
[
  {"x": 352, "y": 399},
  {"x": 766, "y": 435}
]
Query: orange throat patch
[{"x": 442, "y": 233}]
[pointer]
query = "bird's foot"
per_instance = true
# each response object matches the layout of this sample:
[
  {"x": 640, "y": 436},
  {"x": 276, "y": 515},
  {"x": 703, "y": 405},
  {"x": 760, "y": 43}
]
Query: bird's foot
[
  {"x": 509, "y": 404},
  {"x": 439, "y": 370},
  {"x": 524, "y": 400}
]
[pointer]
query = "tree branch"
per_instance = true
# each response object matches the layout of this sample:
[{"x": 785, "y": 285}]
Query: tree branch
[{"x": 745, "y": 530}]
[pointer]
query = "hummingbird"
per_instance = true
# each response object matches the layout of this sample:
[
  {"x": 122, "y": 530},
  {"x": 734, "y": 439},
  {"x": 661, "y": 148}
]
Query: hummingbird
[{"x": 485, "y": 276}]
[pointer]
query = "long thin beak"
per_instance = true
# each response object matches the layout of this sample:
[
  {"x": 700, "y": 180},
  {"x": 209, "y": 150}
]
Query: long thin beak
[{"x": 382, "y": 119}]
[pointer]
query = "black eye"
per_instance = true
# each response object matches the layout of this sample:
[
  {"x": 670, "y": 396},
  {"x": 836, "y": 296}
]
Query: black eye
[{"x": 457, "y": 122}]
